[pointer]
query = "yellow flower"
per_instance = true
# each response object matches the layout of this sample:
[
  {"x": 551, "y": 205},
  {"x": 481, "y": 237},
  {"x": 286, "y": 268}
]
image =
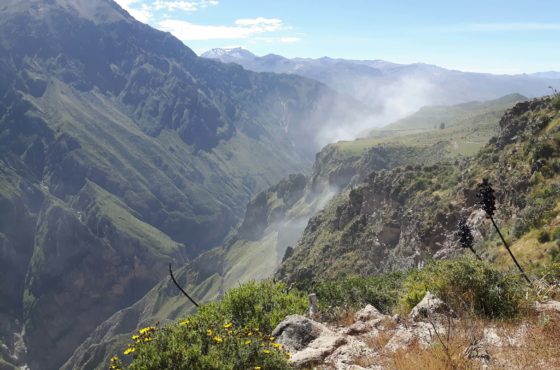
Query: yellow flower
[
  {"x": 228, "y": 325},
  {"x": 266, "y": 351},
  {"x": 184, "y": 322},
  {"x": 148, "y": 339},
  {"x": 271, "y": 339},
  {"x": 146, "y": 330},
  {"x": 114, "y": 358},
  {"x": 276, "y": 345},
  {"x": 249, "y": 333},
  {"x": 257, "y": 368},
  {"x": 217, "y": 339},
  {"x": 209, "y": 332},
  {"x": 135, "y": 337},
  {"x": 247, "y": 342},
  {"x": 129, "y": 350}
]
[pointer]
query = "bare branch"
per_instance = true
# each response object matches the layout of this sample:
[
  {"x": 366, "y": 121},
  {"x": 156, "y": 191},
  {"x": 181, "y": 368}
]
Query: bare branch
[{"x": 181, "y": 289}]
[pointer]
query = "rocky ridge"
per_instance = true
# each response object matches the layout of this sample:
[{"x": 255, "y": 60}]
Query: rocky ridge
[
  {"x": 399, "y": 218},
  {"x": 372, "y": 340}
]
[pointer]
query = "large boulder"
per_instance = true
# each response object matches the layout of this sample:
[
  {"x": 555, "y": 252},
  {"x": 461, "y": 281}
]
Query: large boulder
[
  {"x": 308, "y": 341},
  {"x": 430, "y": 308}
]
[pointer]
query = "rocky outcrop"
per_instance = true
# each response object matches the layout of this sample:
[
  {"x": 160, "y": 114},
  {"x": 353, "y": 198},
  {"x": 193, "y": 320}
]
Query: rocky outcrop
[
  {"x": 374, "y": 340},
  {"x": 397, "y": 219},
  {"x": 308, "y": 340},
  {"x": 342, "y": 347}
]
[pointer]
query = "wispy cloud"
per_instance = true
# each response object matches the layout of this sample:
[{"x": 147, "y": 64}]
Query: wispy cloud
[
  {"x": 487, "y": 27},
  {"x": 242, "y": 29},
  {"x": 144, "y": 10},
  {"x": 276, "y": 40},
  {"x": 140, "y": 11},
  {"x": 166, "y": 15},
  {"x": 187, "y": 6}
]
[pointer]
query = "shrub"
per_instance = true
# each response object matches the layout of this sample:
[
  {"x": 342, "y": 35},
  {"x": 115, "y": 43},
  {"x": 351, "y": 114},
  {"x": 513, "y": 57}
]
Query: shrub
[
  {"x": 338, "y": 296},
  {"x": 554, "y": 253},
  {"x": 467, "y": 285},
  {"x": 262, "y": 304},
  {"x": 556, "y": 101},
  {"x": 538, "y": 210},
  {"x": 230, "y": 334}
]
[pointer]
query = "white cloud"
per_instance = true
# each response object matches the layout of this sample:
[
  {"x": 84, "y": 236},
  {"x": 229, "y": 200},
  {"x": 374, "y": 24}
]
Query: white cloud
[
  {"x": 276, "y": 40},
  {"x": 141, "y": 12},
  {"x": 242, "y": 29},
  {"x": 187, "y": 6},
  {"x": 260, "y": 24},
  {"x": 144, "y": 11},
  {"x": 152, "y": 11}
]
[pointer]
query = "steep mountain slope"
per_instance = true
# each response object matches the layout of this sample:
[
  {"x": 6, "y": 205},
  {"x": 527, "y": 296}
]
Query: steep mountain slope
[
  {"x": 274, "y": 221},
  {"x": 395, "y": 90},
  {"x": 120, "y": 151},
  {"x": 400, "y": 218}
]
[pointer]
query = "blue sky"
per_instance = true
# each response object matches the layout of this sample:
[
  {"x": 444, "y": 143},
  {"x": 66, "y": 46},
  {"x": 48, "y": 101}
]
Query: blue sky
[{"x": 483, "y": 36}]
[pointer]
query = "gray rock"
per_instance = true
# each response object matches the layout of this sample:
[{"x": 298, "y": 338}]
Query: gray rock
[
  {"x": 308, "y": 341},
  {"x": 356, "y": 328},
  {"x": 405, "y": 335},
  {"x": 368, "y": 313},
  {"x": 317, "y": 350},
  {"x": 430, "y": 307},
  {"x": 548, "y": 306},
  {"x": 296, "y": 332}
]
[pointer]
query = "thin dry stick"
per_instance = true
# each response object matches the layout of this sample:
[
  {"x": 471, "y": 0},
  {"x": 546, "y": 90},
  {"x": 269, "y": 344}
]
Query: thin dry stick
[
  {"x": 487, "y": 199},
  {"x": 509, "y": 250},
  {"x": 181, "y": 289}
]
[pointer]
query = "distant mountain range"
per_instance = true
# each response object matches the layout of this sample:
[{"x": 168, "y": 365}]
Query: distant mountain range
[{"x": 395, "y": 90}]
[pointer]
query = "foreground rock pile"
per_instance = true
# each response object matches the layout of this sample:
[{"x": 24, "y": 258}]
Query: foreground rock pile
[{"x": 371, "y": 339}]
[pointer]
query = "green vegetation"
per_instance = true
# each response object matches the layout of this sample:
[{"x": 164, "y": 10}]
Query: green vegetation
[
  {"x": 451, "y": 131},
  {"x": 338, "y": 296},
  {"x": 467, "y": 285},
  {"x": 234, "y": 333},
  {"x": 231, "y": 334},
  {"x": 555, "y": 99}
]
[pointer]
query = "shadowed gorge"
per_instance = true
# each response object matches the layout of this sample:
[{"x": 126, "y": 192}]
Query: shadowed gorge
[{"x": 121, "y": 151}]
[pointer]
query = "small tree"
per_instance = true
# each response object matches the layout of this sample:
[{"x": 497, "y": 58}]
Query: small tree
[{"x": 487, "y": 201}]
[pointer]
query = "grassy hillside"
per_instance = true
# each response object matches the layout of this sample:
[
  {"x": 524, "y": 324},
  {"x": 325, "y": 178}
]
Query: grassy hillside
[
  {"x": 466, "y": 128},
  {"x": 120, "y": 151},
  {"x": 404, "y": 217}
]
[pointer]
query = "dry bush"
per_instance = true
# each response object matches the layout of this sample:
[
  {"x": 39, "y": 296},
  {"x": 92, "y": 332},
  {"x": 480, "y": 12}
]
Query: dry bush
[
  {"x": 451, "y": 342},
  {"x": 346, "y": 318},
  {"x": 379, "y": 341},
  {"x": 532, "y": 342},
  {"x": 365, "y": 361},
  {"x": 386, "y": 328},
  {"x": 539, "y": 347},
  {"x": 433, "y": 358}
]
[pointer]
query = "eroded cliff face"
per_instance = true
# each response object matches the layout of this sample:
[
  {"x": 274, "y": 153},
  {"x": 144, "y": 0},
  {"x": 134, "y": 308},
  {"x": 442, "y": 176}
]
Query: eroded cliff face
[
  {"x": 399, "y": 218},
  {"x": 120, "y": 151}
]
